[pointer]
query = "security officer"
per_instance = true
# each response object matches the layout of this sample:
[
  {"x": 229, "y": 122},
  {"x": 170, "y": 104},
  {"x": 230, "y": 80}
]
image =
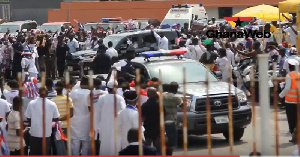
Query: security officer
[{"x": 291, "y": 94}]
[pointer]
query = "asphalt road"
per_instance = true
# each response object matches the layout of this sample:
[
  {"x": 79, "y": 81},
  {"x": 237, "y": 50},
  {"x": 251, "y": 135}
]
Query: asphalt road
[{"x": 197, "y": 145}]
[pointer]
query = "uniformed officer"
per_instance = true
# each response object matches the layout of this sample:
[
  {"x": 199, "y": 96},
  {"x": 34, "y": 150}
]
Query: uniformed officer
[{"x": 291, "y": 93}]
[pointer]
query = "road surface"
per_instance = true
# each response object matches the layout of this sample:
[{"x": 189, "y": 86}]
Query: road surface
[{"x": 197, "y": 145}]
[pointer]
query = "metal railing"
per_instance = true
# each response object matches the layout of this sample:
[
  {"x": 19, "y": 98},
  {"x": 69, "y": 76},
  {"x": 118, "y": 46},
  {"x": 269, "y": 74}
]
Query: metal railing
[{"x": 264, "y": 103}]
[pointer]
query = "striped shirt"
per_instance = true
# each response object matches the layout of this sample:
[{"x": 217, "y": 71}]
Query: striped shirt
[
  {"x": 31, "y": 90},
  {"x": 61, "y": 103},
  {"x": 51, "y": 94}
]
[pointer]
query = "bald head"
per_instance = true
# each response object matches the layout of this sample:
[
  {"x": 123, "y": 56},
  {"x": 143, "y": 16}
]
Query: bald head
[{"x": 151, "y": 92}]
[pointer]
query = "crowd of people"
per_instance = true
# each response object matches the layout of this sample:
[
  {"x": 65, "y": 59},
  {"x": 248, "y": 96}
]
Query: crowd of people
[{"x": 34, "y": 53}]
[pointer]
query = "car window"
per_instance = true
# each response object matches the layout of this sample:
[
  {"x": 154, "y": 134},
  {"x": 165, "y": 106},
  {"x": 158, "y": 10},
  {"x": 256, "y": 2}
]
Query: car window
[{"x": 173, "y": 71}]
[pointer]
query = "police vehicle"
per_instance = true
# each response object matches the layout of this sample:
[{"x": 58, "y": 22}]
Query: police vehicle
[{"x": 171, "y": 65}]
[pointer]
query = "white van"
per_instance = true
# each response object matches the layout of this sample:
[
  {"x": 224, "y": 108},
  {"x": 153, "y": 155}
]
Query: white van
[{"x": 185, "y": 13}]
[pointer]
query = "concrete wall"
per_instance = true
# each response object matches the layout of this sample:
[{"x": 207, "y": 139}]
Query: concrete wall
[{"x": 32, "y": 9}]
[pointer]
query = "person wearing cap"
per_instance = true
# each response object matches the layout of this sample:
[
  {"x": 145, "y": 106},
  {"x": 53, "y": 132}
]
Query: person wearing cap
[
  {"x": 104, "y": 119},
  {"x": 291, "y": 93},
  {"x": 28, "y": 65},
  {"x": 129, "y": 117},
  {"x": 293, "y": 55},
  {"x": 80, "y": 122}
]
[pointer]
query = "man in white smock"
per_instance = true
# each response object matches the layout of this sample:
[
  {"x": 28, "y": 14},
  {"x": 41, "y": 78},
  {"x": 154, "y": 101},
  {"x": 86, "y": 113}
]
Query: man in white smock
[
  {"x": 80, "y": 122},
  {"x": 129, "y": 117},
  {"x": 105, "y": 120}
]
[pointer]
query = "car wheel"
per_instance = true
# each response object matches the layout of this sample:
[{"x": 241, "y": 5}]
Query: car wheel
[{"x": 237, "y": 134}]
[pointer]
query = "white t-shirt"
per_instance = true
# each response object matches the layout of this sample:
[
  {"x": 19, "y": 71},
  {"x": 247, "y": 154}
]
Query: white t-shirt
[
  {"x": 10, "y": 95},
  {"x": 292, "y": 34},
  {"x": 112, "y": 52},
  {"x": 223, "y": 65},
  {"x": 34, "y": 111},
  {"x": 230, "y": 57},
  {"x": 73, "y": 45},
  {"x": 4, "y": 108}
]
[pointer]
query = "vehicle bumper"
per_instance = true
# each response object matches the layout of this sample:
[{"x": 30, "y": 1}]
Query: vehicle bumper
[{"x": 197, "y": 123}]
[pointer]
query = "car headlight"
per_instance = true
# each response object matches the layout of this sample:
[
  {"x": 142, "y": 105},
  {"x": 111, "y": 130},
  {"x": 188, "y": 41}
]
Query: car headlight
[{"x": 242, "y": 97}]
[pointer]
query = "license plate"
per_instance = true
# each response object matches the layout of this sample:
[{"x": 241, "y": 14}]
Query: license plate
[
  {"x": 70, "y": 68},
  {"x": 221, "y": 119}
]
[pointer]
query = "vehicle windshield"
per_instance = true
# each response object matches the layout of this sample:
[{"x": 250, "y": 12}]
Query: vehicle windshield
[
  {"x": 12, "y": 28},
  {"x": 52, "y": 28},
  {"x": 114, "y": 39},
  {"x": 88, "y": 26},
  {"x": 171, "y": 22},
  {"x": 195, "y": 72}
]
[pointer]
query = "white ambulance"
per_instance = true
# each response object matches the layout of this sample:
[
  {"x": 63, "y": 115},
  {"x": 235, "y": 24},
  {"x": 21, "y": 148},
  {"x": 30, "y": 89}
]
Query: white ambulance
[{"x": 186, "y": 13}]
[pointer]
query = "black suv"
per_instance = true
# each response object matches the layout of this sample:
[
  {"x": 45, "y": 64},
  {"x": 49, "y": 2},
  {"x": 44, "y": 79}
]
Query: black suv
[{"x": 171, "y": 69}]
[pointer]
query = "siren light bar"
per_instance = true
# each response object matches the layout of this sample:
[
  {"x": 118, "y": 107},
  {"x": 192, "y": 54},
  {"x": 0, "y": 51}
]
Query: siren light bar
[
  {"x": 181, "y": 6},
  {"x": 106, "y": 20},
  {"x": 160, "y": 53}
]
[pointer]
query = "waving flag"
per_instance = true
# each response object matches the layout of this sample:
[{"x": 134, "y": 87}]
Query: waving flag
[{"x": 79, "y": 24}]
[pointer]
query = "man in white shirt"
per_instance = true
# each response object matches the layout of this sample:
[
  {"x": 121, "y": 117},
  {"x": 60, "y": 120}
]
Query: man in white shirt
[
  {"x": 105, "y": 119},
  {"x": 129, "y": 117},
  {"x": 112, "y": 52},
  {"x": 230, "y": 54},
  {"x": 291, "y": 30},
  {"x": 34, "y": 114},
  {"x": 80, "y": 122},
  {"x": 223, "y": 65},
  {"x": 162, "y": 40},
  {"x": 73, "y": 44},
  {"x": 13, "y": 92}
]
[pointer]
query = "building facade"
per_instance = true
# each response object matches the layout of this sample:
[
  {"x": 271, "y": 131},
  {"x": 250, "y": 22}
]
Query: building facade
[
  {"x": 32, "y": 9},
  {"x": 94, "y": 11}
]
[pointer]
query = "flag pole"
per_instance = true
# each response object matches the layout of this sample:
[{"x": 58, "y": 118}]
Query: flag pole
[
  {"x": 138, "y": 90},
  {"x": 185, "y": 134},
  {"x": 161, "y": 115}
]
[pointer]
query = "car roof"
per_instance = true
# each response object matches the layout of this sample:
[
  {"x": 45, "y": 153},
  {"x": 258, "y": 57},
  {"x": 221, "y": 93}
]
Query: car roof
[
  {"x": 140, "y": 32},
  {"x": 160, "y": 60},
  {"x": 17, "y": 22},
  {"x": 55, "y": 23}
]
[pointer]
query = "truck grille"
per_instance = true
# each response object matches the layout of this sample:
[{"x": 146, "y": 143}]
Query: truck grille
[{"x": 216, "y": 103}]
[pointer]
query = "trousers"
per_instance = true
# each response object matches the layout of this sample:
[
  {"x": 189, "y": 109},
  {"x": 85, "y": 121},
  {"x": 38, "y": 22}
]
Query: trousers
[
  {"x": 291, "y": 114},
  {"x": 82, "y": 147},
  {"x": 36, "y": 145}
]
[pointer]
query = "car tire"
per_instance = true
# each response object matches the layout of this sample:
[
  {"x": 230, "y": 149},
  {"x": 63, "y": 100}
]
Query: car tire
[{"x": 237, "y": 134}]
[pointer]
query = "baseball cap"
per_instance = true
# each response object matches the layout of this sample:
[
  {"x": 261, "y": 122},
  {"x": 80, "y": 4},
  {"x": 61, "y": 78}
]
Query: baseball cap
[
  {"x": 112, "y": 84},
  {"x": 293, "y": 62}
]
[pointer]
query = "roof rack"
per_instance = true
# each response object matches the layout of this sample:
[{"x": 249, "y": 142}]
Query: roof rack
[{"x": 160, "y": 53}]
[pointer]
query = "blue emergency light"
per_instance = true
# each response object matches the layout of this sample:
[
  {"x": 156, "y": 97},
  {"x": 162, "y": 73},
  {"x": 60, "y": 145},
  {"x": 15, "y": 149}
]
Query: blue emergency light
[
  {"x": 106, "y": 20},
  {"x": 200, "y": 4},
  {"x": 160, "y": 53}
]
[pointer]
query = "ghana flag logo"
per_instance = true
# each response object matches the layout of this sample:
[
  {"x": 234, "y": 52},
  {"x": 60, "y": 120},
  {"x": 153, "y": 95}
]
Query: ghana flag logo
[
  {"x": 238, "y": 33},
  {"x": 238, "y": 21}
]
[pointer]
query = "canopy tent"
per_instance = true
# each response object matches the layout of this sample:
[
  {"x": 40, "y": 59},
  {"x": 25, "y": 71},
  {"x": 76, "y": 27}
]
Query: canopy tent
[
  {"x": 263, "y": 12},
  {"x": 288, "y": 6},
  {"x": 292, "y": 6}
]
